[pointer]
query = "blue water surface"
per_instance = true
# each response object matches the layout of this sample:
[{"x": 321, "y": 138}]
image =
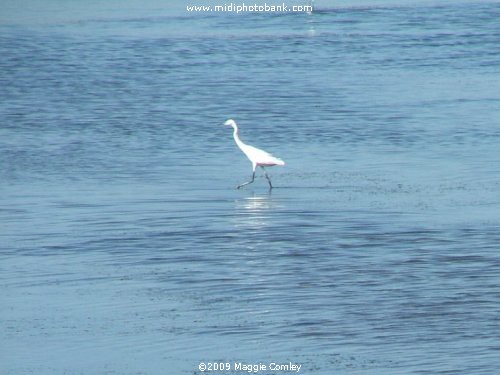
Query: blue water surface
[{"x": 126, "y": 249}]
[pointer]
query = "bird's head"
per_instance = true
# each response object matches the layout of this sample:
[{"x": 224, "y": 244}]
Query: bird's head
[{"x": 230, "y": 122}]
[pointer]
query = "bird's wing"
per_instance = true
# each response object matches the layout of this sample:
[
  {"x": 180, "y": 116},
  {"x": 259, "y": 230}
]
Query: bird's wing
[{"x": 260, "y": 156}]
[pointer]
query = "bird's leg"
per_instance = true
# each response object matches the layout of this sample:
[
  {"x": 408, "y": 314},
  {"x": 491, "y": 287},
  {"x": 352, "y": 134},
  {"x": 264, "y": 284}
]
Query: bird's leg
[
  {"x": 268, "y": 179},
  {"x": 249, "y": 182}
]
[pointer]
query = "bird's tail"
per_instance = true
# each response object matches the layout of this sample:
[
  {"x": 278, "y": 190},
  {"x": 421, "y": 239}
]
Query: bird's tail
[{"x": 279, "y": 161}]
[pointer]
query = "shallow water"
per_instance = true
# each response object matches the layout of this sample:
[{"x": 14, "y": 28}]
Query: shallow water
[{"x": 125, "y": 248}]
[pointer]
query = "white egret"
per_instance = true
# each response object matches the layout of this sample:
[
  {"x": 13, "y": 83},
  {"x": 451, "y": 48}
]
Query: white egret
[{"x": 258, "y": 157}]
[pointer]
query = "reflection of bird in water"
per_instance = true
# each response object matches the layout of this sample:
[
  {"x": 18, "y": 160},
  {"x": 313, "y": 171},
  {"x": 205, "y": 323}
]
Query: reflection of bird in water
[
  {"x": 255, "y": 212},
  {"x": 258, "y": 157},
  {"x": 256, "y": 204}
]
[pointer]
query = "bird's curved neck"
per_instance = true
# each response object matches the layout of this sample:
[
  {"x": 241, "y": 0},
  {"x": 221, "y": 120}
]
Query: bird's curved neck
[{"x": 237, "y": 137}]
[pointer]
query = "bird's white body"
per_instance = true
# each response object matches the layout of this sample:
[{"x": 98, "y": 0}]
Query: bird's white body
[{"x": 256, "y": 156}]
